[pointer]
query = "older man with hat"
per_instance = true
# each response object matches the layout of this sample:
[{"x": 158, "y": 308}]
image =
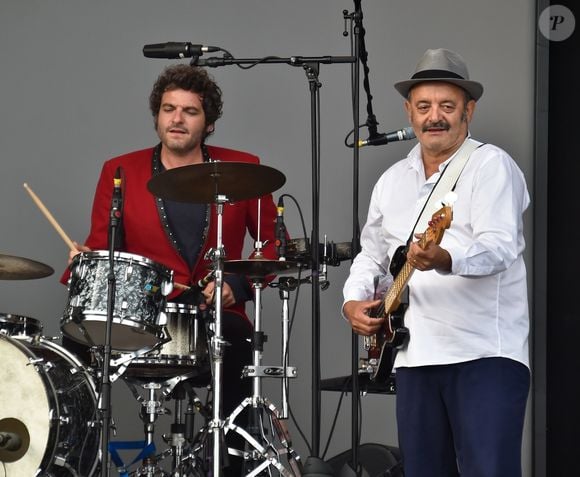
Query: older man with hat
[{"x": 463, "y": 375}]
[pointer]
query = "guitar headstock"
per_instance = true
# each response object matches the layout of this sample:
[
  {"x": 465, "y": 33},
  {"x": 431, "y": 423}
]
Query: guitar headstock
[{"x": 440, "y": 221}]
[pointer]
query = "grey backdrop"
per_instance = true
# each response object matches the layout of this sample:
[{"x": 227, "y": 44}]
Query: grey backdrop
[{"x": 74, "y": 89}]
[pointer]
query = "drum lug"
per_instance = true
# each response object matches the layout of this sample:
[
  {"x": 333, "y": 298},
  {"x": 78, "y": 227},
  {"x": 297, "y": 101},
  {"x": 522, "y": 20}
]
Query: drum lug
[
  {"x": 59, "y": 460},
  {"x": 64, "y": 419},
  {"x": 129, "y": 271},
  {"x": 39, "y": 363},
  {"x": 162, "y": 320}
]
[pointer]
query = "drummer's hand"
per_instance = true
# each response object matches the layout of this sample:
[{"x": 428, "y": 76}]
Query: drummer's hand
[
  {"x": 79, "y": 248},
  {"x": 228, "y": 298}
]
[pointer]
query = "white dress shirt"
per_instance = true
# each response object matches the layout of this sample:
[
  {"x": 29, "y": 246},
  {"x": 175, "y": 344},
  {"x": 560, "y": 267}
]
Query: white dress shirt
[{"x": 478, "y": 310}]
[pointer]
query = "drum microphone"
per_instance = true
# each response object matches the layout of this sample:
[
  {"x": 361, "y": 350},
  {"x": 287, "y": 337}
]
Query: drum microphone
[
  {"x": 398, "y": 135},
  {"x": 280, "y": 230},
  {"x": 174, "y": 49},
  {"x": 10, "y": 441},
  {"x": 14, "y": 439},
  {"x": 116, "y": 208}
]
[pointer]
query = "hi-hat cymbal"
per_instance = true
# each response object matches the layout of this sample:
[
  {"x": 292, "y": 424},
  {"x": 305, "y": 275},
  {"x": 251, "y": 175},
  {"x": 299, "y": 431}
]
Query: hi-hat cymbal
[
  {"x": 260, "y": 268},
  {"x": 202, "y": 183},
  {"x": 18, "y": 268}
]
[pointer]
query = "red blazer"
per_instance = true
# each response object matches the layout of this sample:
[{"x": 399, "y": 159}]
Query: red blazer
[{"x": 143, "y": 230}]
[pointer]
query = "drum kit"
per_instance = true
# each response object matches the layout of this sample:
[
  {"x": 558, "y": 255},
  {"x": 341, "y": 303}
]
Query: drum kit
[{"x": 49, "y": 416}]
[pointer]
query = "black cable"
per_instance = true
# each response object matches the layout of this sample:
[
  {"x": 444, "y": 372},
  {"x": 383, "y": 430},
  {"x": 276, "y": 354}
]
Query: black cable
[
  {"x": 293, "y": 315},
  {"x": 331, "y": 432}
]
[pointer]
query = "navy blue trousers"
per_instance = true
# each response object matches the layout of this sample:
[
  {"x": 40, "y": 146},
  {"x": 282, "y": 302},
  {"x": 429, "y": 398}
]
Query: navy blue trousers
[{"x": 462, "y": 419}]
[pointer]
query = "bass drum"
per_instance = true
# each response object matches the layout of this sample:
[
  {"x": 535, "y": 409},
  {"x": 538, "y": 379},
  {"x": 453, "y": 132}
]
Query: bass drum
[{"x": 47, "y": 391}]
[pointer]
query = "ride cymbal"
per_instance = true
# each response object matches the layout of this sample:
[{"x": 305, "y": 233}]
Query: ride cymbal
[
  {"x": 202, "y": 183},
  {"x": 19, "y": 268}
]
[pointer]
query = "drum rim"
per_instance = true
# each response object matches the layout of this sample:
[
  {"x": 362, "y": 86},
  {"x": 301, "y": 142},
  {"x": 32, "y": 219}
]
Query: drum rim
[
  {"x": 140, "y": 259},
  {"x": 176, "y": 307},
  {"x": 6, "y": 317}
]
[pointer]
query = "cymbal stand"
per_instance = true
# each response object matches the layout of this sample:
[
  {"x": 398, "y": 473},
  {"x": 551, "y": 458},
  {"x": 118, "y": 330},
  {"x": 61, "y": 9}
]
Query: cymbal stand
[
  {"x": 266, "y": 448},
  {"x": 286, "y": 285},
  {"x": 217, "y": 342}
]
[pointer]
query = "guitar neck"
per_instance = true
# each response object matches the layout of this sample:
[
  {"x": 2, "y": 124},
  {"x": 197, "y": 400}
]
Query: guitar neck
[{"x": 391, "y": 301}]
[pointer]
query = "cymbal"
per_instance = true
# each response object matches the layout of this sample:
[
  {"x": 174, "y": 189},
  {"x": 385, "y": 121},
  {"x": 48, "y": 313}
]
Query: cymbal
[
  {"x": 201, "y": 183},
  {"x": 18, "y": 268},
  {"x": 259, "y": 268}
]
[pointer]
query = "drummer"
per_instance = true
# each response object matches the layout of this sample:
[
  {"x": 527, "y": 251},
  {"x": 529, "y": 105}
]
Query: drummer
[{"x": 186, "y": 103}]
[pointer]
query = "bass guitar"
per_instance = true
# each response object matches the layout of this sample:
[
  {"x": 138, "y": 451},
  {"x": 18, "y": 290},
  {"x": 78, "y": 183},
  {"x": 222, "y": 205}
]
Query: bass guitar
[{"x": 393, "y": 334}]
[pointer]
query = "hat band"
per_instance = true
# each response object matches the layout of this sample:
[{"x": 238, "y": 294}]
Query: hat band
[{"x": 436, "y": 74}]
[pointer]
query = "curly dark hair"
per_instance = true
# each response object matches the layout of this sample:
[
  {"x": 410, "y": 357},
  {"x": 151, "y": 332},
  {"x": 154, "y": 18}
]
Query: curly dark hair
[{"x": 189, "y": 78}]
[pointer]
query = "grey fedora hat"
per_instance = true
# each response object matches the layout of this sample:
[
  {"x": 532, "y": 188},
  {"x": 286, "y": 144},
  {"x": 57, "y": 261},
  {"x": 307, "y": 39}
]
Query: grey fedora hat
[{"x": 441, "y": 65}]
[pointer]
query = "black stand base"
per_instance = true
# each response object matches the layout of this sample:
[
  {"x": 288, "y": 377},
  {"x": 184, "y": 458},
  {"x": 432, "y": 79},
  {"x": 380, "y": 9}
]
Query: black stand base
[
  {"x": 375, "y": 460},
  {"x": 315, "y": 467}
]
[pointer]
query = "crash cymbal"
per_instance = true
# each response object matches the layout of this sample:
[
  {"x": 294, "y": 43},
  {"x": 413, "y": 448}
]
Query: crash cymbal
[
  {"x": 259, "y": 268},
  {"x": 201, "y": 183},
  {"x": 18, "y": 268}
]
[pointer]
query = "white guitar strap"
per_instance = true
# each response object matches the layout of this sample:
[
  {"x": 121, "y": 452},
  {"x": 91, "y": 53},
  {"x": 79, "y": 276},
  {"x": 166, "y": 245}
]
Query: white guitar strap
[{"x": 445, "y": 183}]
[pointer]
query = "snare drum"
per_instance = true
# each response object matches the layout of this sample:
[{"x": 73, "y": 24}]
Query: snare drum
[
  {"x": 47, "y": 392},
  {"x": 141, "y": 288},
  {"x": 18, "y": 326},
  {"x": 185, "y": 353}
]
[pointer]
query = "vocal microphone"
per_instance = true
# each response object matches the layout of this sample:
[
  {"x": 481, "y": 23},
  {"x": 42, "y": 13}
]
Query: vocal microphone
[
  {"x": 398, "y": 135},
  {"x": 280, "y": 230},
  {"x": 175, "y": 49}
]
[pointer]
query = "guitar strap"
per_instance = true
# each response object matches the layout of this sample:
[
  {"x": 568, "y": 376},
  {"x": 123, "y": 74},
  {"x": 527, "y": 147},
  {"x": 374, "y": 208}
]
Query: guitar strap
[{"x": 445, "y": 183}]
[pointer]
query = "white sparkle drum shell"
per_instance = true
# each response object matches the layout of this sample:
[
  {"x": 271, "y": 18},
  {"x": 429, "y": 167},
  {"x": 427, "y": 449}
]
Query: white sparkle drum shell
[
  {"x": 141, "y": 288},
  {"x": 186, "y": 352},
  {"x": 18, "y": 326},
  {"x": 47, "y": 389}
]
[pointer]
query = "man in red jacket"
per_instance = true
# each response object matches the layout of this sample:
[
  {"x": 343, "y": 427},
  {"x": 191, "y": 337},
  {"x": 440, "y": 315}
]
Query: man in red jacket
[{"x": 185, "y": 103}]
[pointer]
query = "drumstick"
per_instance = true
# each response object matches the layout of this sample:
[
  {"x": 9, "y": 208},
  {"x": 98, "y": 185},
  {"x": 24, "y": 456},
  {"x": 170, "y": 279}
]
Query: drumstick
[
  {"x": 180, "y": 286},
  {"x": 51, "y": 219}
]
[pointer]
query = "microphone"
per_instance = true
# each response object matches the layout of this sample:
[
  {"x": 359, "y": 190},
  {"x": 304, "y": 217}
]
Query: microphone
[
  {"x": 280, "y": 230},
  {"x": 14, "y": 439},
  {"x": 117, "y": 198},
  {"x": 116, "y": 212},
  {"x": 398, "y": 135},
  {"x": 10, "y": 441},
  {"x": 174, "y": 49}
]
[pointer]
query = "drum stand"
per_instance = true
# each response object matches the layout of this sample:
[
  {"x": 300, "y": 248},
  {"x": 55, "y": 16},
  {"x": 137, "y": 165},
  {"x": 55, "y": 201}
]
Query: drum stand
[
  {"x": 181, "y": 438},
  {"x": 267, "y": 439}
]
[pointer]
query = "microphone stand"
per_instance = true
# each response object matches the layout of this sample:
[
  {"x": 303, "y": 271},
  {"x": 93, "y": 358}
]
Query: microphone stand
[
  {"x": 314, "y": 466},
  {"x": 105, "y": 402},
  {"x": 355, "y": 400}
]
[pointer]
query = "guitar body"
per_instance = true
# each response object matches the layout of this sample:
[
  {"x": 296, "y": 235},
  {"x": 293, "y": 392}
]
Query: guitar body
[{"x": 393, "y": 335}]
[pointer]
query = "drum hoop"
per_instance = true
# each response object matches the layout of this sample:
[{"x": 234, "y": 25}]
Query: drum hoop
[
  {"x": 182, "y": 308},
  {"x": 122, "y": 256}
]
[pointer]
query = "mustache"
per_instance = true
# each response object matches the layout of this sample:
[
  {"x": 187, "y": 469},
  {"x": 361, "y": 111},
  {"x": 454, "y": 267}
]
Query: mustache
[{"x": 442, "y": 124}]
